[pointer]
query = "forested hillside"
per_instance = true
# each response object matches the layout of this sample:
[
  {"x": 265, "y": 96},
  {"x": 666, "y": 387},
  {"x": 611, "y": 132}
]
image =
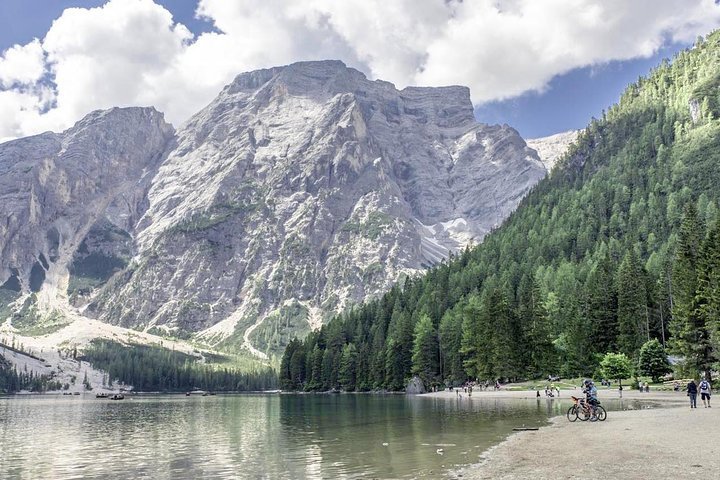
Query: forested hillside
[
  {"x": 617, "y": 246},
  {"x": 149, "y": 368},
  {"x": 12, "y": 380}
]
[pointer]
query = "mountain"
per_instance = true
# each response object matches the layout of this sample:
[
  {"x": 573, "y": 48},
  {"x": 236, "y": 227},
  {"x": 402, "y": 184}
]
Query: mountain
[
  {"x": 550, "y": 149},
  {"x": 619, "y": 245},
  {"x": 70, "y": 200},
  {"x": 297, "y": 192}
]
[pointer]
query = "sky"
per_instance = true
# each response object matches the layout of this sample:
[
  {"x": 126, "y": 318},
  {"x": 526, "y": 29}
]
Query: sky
[{"x": 540, "y": 66}]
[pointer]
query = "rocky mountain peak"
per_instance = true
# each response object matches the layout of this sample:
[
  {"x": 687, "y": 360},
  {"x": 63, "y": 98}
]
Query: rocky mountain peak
[{"x": 298, "y": 191}]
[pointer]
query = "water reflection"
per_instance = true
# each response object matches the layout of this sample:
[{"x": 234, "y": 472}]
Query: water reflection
[{"x": 272, "y": 436}]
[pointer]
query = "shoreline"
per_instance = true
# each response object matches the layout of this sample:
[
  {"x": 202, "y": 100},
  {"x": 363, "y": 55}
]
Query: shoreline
[
  {"x": 671, "y": 440},
  {"x": 603, "y": 394}
]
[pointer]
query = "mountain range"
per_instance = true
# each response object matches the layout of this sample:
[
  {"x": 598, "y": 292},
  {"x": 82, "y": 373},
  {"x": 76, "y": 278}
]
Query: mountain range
[{"x": 298, "y": 192}]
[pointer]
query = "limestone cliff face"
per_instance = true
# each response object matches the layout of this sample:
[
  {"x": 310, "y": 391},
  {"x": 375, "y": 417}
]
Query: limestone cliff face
[
  {"x": 59, "y": 192},
  {"x": 298, "y": 191},
  {"x": 550, "y": 149}
]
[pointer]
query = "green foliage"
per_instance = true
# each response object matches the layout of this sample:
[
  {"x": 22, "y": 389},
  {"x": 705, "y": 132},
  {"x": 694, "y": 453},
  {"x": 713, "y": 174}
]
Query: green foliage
[
  {"x": 373, "y": 227},
  {"x": 92, "y": 270},
  {"x": 348, "y": 367},
  {"x": 159, "y": 369},
  {"x": 425, "y": 351},
  {"x": 616, "y": 366},
  {"x": 7, "y": 296},
  {"x": 239, "y": 205},
  {"x": 693, "y": 298},
  {"x": 12, "y": 380},
  {"x": 653, "y": 360},
  {"x": 278, "y": 328},
  {"x": 632, "y": 304}
]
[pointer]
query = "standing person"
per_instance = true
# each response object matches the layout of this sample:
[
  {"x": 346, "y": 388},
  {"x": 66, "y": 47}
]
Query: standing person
[
  {"x": 705, "y": 392},
  {"x": 692, "y": 393},
  {"x": 591, "y": 393}
]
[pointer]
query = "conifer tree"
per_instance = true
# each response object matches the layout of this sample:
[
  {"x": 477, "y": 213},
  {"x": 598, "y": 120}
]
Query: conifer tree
[
  {"x": 690, "y": 336},
  {"x": 451, "y": 347},
  {"x": 425, "y": 351},
  {"x": 632, "y": 311},
  {"x": 533, "y": 314},
  {"x": 348, "y": 367},
  {"x": 476, "y": 340},
  {"x": 600, "y": 306}
]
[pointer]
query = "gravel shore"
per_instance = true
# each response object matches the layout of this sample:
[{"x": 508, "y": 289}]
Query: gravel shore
[{"x": 670, "y": 442}]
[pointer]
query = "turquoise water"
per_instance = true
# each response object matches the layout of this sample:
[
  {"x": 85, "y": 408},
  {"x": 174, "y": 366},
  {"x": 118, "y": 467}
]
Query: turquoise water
[{"x": 254, "y": 436}]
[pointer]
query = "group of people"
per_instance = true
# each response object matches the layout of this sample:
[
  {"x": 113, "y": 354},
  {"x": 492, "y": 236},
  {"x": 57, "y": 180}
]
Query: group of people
[
  {"x": 550, "y": 390},
  {"x": 705, "y": 392},
  {"x": 468, "y": 387}
]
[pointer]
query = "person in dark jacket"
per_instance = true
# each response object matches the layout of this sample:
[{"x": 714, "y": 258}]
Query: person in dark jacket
[{"x": 692, "y": 393}]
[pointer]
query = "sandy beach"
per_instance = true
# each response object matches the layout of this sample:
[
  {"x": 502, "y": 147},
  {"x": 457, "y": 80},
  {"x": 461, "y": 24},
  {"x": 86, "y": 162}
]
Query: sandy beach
[{"x": 673, "y": 441}]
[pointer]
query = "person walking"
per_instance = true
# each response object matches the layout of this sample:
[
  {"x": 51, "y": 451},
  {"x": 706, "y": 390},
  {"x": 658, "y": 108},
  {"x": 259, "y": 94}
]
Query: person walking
[
  {"x": 692, "y": 393},
  {"x": 705, "y": 392}
]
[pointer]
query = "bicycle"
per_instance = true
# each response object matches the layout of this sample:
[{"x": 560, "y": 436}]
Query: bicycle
[{"x": 582, "y": 410}]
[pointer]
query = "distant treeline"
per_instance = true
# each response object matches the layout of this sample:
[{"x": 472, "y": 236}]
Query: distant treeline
[
  {"x": 12, "y": 380},
  {"x": 156, "y": 369}
]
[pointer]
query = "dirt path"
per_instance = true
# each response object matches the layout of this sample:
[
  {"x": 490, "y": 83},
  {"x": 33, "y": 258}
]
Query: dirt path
[{"x": 667, "y": 443}]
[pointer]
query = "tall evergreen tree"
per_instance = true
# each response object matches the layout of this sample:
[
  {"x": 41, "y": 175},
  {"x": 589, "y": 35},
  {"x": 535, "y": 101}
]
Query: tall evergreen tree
[
  {"x": 425, "y": 351},
  {"x": 476, "y": 340},
  {"x": 707, "y": 298},
  {"x": 632, "y": 310},
  {"x": 348, "y": 367},
  {"x": 398, "y": 349},
  {"x": 600, "y": 306},
  {"x": 691, "y": 338},
  {"x": 507, "y": 338},
  {"x": 542, "y": 360},
  {"x": 451, "y": 347}
]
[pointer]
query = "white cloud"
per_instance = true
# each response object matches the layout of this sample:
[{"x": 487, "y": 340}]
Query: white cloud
[
  {"x": 22, "y": 64},
  {"x": 501, "y": 52},
  {"x": 131, "y": 52}
]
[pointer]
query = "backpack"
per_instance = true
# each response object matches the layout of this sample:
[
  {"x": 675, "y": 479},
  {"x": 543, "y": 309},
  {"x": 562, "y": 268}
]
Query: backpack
[{"x": 704, "y": 385}]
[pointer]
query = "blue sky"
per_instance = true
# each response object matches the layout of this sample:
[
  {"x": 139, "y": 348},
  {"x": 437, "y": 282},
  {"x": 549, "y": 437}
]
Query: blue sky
[
  {"x": 572, "y": 99},
  {"x": 23, "y": 20},
  {"x": 541, "y": 67}
]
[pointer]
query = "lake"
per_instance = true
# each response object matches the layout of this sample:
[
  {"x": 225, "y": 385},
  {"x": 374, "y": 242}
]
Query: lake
[{"x": 254, "y": 436}]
